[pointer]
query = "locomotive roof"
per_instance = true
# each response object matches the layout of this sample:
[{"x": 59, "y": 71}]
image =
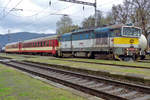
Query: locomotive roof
[
  {"x": 41, "y": 39},
  {"x": 96, "y": 29}
]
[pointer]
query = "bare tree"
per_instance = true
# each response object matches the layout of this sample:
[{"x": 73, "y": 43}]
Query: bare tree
[
  {"x": 133, "y": 11},
  {"x": 142, "y": 14}
]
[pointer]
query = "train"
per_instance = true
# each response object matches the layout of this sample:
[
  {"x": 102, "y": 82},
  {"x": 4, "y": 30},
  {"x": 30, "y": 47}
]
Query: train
[{"x": 122, "y": 42}]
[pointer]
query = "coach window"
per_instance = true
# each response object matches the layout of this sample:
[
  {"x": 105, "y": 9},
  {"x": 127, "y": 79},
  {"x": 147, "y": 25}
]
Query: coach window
[
  {"x": 44, "y": 43},
  {"x": 36, "y": 44},
  {"x": 50, "y": 42},
  {"x": 47, "y": 43},
  {"x": 41, "y": 44}
]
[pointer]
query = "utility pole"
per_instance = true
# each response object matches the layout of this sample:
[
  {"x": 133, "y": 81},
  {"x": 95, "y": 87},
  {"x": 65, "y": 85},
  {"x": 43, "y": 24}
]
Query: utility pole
[
  {"x": 85, "y": 3},
  {"x": 8, "y": 36},
  {"x": 96, "y": 21}
]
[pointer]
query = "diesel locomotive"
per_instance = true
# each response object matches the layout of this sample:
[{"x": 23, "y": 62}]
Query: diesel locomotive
[
  {"x": 116, "y": 41},
  {"x": 121, "y": 42}
]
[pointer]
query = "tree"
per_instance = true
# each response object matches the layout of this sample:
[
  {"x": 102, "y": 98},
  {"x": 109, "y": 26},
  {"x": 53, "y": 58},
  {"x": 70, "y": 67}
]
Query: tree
[
  {"x": 133, "y": 11},
  {"x": 65, "y": 25},
  {"x": 88, "y": 22},
  {"x": 142, "y": 14},
  {"x": 101, "y": 20}
]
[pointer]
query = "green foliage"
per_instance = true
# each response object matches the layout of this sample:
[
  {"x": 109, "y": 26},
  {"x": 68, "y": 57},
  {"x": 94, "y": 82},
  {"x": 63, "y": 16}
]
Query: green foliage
[
  {"x": 65, "y": 25},
  {"x": 101, "y": 20}
]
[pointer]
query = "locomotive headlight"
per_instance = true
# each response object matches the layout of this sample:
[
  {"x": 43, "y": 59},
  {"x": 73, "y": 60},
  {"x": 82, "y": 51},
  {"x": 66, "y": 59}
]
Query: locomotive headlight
[{"x": 132, "y": 41}]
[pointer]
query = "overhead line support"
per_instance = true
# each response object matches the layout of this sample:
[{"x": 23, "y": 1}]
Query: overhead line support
[{"x": 85, "y": 3}]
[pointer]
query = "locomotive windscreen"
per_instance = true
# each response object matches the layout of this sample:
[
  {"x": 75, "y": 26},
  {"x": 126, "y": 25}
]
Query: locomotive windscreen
[{"x": 131, "y": 31}]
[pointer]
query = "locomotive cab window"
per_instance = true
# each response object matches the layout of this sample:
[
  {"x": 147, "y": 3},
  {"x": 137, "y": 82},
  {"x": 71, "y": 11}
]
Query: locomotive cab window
[{"x": 132, "y": 31}]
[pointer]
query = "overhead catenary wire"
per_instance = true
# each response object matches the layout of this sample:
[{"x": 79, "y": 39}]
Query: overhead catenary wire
[
  {"x": 50, "y": 14},
  {"x": 7, "y": 4},
  {"x": 6, "y": 7},
  {"x": 10, "y": 10},
  {"x": 43, "y": 17}
]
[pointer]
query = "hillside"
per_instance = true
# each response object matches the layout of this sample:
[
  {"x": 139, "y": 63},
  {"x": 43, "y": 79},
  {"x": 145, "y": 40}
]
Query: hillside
[{"x": 20, "y": 36}]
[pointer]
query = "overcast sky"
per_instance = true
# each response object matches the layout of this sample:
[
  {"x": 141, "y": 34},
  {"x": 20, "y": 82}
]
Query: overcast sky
[{"x": 37, "y": 15}]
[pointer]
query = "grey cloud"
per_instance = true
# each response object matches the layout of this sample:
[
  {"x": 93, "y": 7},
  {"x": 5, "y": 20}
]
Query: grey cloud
[
  {"x": 48, "y": 22},
  {"x": 29, "y": 24}
]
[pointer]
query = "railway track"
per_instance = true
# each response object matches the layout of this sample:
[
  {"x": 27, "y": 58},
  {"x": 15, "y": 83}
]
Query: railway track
[
  {"x": 145, "y": 61},
  {"x": 100, "y": 87},
  {"x": 114, "y": 65}
]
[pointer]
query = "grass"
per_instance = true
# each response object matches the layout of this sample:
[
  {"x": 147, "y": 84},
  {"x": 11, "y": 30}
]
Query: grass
[
  {"x": 81, "y": 59},
  {"x": 124, "y": 70},
  {"x": 17, "y": 86},
  {"x": 111, "y": 62}
]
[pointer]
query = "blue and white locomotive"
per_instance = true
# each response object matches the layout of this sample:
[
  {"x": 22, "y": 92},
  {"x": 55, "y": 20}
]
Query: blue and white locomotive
[{"x": 116, "y": 41}]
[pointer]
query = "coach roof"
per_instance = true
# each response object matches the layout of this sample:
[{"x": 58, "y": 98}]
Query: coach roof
[{"x": 41, "y": 39}]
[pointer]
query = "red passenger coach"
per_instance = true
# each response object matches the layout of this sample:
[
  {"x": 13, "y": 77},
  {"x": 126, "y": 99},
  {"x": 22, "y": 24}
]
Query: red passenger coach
[
  {"x": 12, "y": 47},
  {"x": 44, "y": 45}
]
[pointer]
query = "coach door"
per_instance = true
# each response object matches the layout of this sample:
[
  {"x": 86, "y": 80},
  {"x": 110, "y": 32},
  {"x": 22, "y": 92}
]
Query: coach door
[
  {"x": 19, "y": 46},
  {"x": 53, "y": 47}
]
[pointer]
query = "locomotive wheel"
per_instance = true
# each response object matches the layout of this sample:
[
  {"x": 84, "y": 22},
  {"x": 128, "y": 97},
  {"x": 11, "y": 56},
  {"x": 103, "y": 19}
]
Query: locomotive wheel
[
  {"x": 128, "y": 59},
  {"x": 142, "y": 57},
  {"x": 60, "y": 54},
  {"x": 91, "y": 55}
]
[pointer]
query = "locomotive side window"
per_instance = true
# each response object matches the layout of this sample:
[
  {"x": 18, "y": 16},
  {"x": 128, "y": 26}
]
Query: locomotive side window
[
  {"x": 115, "y": 32},
  {"x": 101, "y": 34},
  {"x": 65, "y": 37},
  {"x": 81, "y": 36}
]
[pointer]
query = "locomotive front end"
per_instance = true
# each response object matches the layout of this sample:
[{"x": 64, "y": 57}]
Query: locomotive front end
[{"x": 127, "y": 45}]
